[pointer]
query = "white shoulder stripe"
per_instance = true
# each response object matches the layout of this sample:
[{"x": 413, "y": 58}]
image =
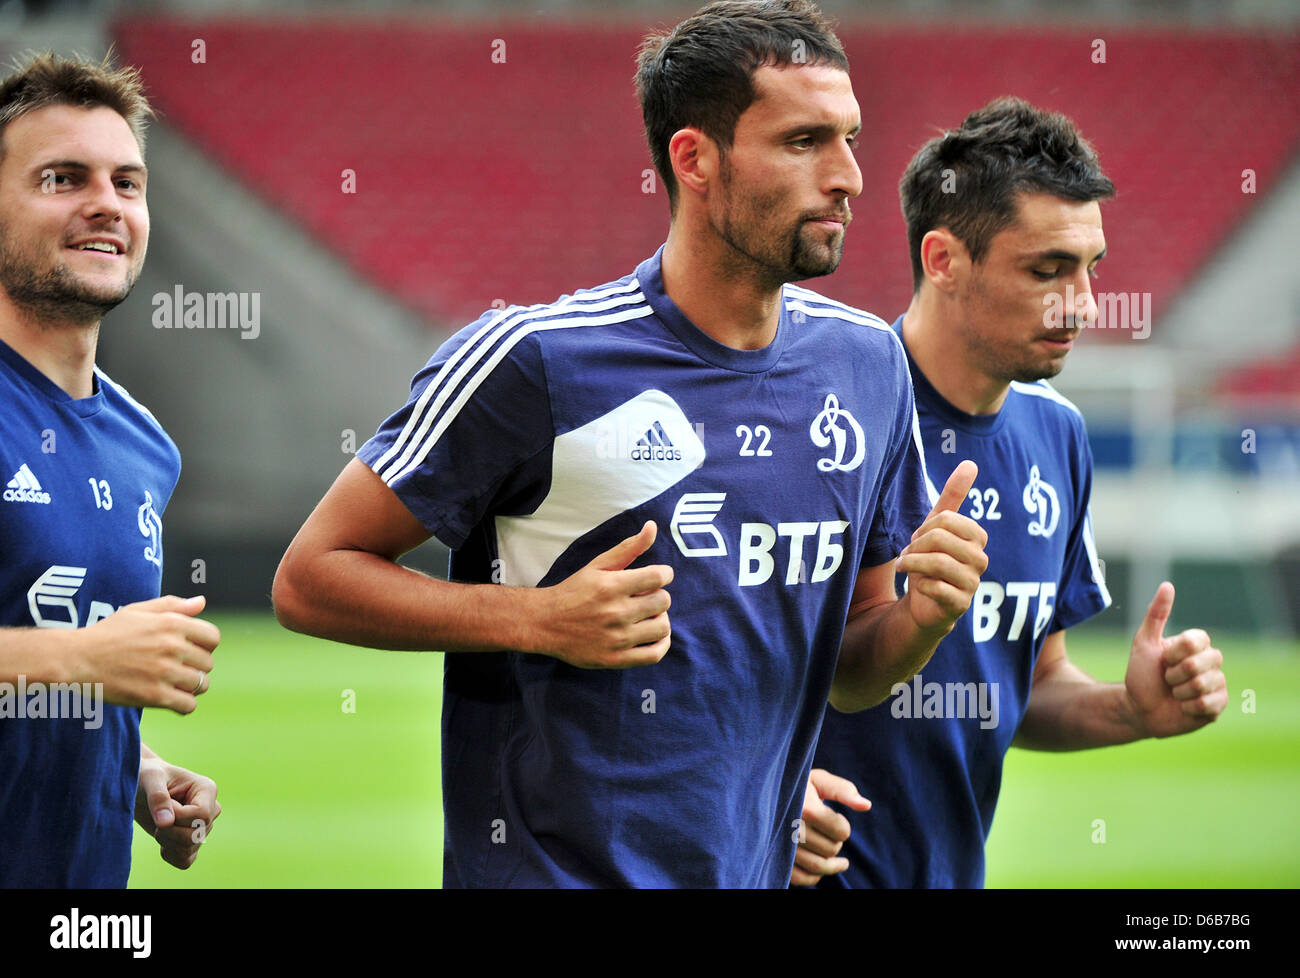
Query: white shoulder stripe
[
  {"x": 473, "y": 350},
  {"x": 846, "y": 314},
  {"x": 432, "y": 412},
  {"x": 807, "y": 295},
  {"x": 1090, "y": 544},
  {"x": 105, "y": 379},
  {"x": 837, "y": 310},
  {"x": 931, "y": 491},
  {"x": 1045, "y": 390},
  {"x": 410, "y": 461}
]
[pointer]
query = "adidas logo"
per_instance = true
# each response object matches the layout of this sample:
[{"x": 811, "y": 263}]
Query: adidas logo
[
  {"x": 655, "y": 446},
  {"x": 24, "y": 488}
]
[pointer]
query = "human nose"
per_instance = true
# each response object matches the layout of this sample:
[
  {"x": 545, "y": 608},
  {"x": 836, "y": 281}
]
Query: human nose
[
  {"x": 102, "y": 200},
  {"x": 844, "y": 176},
  {"x": 1085, "y": 303}
]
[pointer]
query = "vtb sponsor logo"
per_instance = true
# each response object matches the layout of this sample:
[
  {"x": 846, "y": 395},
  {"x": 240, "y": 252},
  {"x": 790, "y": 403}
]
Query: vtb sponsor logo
[
  {"x": 810, "y": 551},
  {"x": 987, "y": 611},
  {"x": 50, "y": 599}
]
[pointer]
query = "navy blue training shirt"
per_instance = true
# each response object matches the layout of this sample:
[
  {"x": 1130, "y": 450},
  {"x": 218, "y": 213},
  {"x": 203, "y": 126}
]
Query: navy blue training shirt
[
  {"x": 83, "y": 484},
  {"x": 930, "y": 757},
  {"x": 539, "y": 437}
]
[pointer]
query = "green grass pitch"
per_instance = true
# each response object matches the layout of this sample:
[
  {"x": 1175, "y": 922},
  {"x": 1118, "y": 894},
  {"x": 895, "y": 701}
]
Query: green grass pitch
[{"x": 314, "y": 796}]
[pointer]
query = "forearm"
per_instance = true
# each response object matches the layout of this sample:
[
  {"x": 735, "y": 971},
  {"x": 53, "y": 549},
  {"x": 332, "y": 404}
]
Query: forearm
[
  {"x": 882, "y": 646},
  {"x": 888, "y": 639},
  {"x": 143, "y": 817},
  {"x": 1069, "y": 710},
  {"x": 340, "y": 579},
  {"x": 366, "y": 599},
  {"x": 39, "y": 655}
]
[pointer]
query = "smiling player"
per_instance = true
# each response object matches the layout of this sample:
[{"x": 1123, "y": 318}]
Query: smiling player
[{"x": 89, "y": 473}]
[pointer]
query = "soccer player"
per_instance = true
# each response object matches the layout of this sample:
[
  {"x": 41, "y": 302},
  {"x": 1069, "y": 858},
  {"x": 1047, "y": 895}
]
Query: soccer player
[
  {"x": 1004, "y": 225},
  {"x": 86, "y": 640},
  {"x": 744, "y": 440}
]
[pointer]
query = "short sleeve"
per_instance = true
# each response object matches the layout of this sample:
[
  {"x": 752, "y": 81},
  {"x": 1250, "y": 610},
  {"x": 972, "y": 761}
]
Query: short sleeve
[
  {"x": 478, "y": 412},
  {"x": 1081, "y": 591},
  {"x": 904, "y": 499}
]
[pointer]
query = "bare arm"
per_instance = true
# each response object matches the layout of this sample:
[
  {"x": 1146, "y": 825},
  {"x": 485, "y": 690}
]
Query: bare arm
[
  {"x": 1172, "y": 686},
  {"x": 339, "y": 579},
  {"x": 151, "y": 653},
  {"x": 1068, "y": 709},
  {"x": 887, "y": 640}
]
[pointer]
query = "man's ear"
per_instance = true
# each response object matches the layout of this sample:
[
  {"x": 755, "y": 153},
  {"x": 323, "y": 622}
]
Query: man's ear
[
  {"x": 695, "y": 161},
  {"x": 945, "y": 262}
]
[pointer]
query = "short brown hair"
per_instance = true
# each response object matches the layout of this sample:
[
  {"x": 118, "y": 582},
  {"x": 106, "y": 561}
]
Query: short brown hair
[
  {"x": 701, "y": 73},
  {"x": 970, "y": 179},
  {"x": 45, "y": 79}
]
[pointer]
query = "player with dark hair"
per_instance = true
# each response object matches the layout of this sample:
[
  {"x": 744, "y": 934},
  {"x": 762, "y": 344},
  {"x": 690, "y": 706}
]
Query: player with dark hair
[
  {"x": 1002, "y": 221},
  {"x": 86, "y": 640},
  {"x": 687, "y": 419}
]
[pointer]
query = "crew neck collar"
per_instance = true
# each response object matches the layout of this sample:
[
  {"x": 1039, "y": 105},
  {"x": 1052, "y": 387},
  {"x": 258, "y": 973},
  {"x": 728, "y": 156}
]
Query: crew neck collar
[
  {"x": 650, "y": 276},
  {"x": 937, "y": 404},
  {"x": 83, "y": 406}
]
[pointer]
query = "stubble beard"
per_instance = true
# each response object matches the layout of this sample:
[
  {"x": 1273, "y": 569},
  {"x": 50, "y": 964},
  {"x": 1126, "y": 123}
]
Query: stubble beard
[
  {"x": 778, "y": 255},
  {"x": 53, "y": 295},
  {"x": 996, "y": 359}
]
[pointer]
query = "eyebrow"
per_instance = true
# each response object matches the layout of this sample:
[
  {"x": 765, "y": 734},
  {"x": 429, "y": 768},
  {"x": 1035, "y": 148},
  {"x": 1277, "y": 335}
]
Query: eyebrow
[
  {"x": 822, "y": 130},
  {"x": 139, "y": 168},
  {"x": 1060, "y": 254}
]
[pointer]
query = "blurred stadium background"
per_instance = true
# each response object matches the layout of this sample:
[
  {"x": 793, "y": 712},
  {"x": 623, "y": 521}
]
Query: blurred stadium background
[{"x": 379, "y": 173}]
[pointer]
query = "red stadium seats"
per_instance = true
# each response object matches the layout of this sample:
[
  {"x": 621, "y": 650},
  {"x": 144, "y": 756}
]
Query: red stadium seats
[{"x": 482, "y": 181}]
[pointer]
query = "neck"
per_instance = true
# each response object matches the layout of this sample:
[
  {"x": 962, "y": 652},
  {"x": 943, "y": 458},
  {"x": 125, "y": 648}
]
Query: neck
[
  {"x": 932, "y": 330},
  {"x": 63, "y": 352},
  {"x": 718, "y": 290}
]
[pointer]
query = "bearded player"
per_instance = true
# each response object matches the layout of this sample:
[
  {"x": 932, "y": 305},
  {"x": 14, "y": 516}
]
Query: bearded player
[
  {"x": 89, "y": 472},
  {"x": 682, "y": 426}
]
